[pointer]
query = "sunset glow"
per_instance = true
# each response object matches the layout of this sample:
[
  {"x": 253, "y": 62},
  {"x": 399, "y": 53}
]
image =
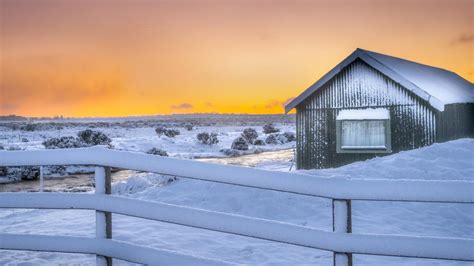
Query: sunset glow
[{"x": 117, "y": 58}]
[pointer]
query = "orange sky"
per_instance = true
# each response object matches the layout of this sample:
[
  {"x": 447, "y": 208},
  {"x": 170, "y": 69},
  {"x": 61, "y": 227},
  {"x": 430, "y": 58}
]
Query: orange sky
[{"x": 116, "y": 58}]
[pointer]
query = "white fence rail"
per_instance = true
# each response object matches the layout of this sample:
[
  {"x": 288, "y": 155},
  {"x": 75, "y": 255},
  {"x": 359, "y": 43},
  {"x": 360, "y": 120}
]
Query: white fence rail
[
  {"x": 341, "y": 241},
  {"x": 107, "y": 248}
]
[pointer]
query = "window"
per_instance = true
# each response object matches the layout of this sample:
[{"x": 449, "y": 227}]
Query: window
[{"x": 363, "y": 131}]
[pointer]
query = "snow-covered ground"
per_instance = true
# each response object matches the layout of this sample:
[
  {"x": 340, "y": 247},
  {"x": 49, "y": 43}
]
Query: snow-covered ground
[
  {"x": 138, "y": 134},
  {"x": 135, "y": 136},
  {"x": 452, "y": 160}
]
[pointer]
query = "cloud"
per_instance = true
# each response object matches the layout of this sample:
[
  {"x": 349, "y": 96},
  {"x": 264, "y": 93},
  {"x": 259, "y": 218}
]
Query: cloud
[
  {"x": 272, "y": 104},
  {"x": 182, "y": 106},
  {"x": 8, "y": 107},
  {"x": 209, "y": 104},
  {"x": 463, "y": 38},
  {"x": 278, "y": 103}
]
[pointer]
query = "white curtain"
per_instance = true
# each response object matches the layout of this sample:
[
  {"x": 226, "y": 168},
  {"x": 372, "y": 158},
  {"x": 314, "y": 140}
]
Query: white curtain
[{"x": 363, "y": 134}]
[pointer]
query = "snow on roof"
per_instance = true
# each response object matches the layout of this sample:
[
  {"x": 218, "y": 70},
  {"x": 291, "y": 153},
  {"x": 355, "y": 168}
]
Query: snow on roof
[
  {"x": 445, "y": 85},
  {"x": 364, "y": 114},
  {"x": 435, "y": 85}
]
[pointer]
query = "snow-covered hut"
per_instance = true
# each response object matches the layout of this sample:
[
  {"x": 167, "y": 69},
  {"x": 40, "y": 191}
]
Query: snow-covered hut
[{"x": 372, "y": 104}]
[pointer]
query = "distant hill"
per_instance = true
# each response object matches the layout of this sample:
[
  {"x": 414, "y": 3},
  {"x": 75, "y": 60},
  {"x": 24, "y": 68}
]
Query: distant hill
[
  {"x": 23, "y": 118},
  {"x": 12, "y": 118}
]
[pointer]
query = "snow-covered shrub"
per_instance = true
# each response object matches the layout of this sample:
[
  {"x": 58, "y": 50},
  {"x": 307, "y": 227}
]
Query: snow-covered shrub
[
  {"x": 250, "y": 135},
  {"x": 160, "y": 130},
  {"x": 63, "y": 143},
  {"x": 157, "y": 151},
  {"x": 93, "y": 137},
  {"x": 207, "y": 138},
  {"x": 230, "y": 152},
  {"x": 270, "y": 128},
  {"x": 55, "y": 169},
  {"x": 3, "y": 171},
  {"x": 276, "y": 139},
  {"x": 1, "y": 147},
  {"x": 23, "y": 173},
  {"x": 290, "y": 136},
  {"x": 240, "y": 144},
  {"x": 24, "y": 140},
  {"x": 188, "y": 127},
  {"x": 259, "y": 142},
  {"x": 171, "y": 133},
  {"x": 30, "y": 127},
  {"x": 272, "y": 139},
  {"x": 84, "y": 138}
]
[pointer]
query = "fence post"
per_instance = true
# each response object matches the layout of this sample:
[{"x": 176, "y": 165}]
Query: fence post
[
  {"x": 341, "y": 223},
  {"x": 103, "y": 220},
  {"x": 41, "y": 188}
]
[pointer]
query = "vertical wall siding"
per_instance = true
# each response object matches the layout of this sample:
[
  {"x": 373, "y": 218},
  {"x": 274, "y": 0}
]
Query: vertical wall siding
[
  {"x": 413, "y": 122},
  {"x": 456, "y": 121}
]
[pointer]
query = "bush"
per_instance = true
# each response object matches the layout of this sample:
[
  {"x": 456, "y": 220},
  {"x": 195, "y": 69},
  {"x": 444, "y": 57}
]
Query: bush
[
  {"x": 24, "y": 140},
  {"x": 171, "y": 133},
  {"x": 276, "y": 139},
  {"x": 290, "y": 136},
  {"x": 208, "y": 139},
  {"x": 240, "y": 144},
  {"x": 55, "y": 169},
  {"x": 250, "y": 135},
  {"x": 230, "y": 152},
  {"x": 85, "y": 138},
  {"x": 157, "y": 151},
  {"x": 259, "y": 142},
  {"x": 160, "y": 131},
  {"x": 93, "y": 137},
  {"x": 30, "y": 127},
  {"x": 188, "y": 127},
  {"x": 23, "y": 173},
  {"x": 63, "y": 143},
  {"x": 3, "y": 171},
  {"x": 270, "y": 128}
]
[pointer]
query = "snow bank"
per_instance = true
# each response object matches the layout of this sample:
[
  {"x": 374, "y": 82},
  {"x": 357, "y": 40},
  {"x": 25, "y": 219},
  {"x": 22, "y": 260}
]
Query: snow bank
[{"x": 451, "y": 160}]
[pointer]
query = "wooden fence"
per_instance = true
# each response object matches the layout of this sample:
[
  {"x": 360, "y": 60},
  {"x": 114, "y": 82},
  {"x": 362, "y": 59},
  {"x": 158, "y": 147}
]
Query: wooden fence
[{"x": 341, "y": 241}]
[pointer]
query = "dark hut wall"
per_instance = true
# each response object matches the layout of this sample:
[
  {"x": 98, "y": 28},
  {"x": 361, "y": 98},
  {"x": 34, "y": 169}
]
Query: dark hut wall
[
  {"x": 358, "y": 86},
  {"x": 456, "y": 121}
]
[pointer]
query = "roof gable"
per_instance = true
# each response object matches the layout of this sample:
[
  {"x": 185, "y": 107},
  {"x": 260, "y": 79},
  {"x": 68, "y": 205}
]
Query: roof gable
[{"x": 435, "y": 85}]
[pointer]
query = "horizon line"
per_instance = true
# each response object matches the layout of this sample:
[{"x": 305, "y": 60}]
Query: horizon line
[{"x": 137, "y": 116}]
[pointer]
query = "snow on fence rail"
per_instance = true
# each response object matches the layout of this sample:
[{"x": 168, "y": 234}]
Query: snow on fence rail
[
  {"x": 110, "y": 248},
  {"x": 334, "y": 188},
  {"x": 341, "y": 241}
]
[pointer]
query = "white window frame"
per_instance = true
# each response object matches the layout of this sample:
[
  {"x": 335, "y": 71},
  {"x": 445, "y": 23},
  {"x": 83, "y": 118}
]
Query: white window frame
[{"x": 361, "y": 149}]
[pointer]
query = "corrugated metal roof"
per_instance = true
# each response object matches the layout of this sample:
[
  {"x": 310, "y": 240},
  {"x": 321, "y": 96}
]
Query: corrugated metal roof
[{"x": 435, "y": 85}]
